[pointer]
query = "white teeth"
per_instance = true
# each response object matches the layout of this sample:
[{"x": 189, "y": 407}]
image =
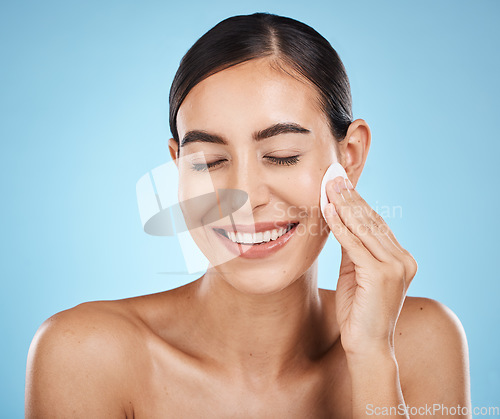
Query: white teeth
[{"x": 249, "y": 238}]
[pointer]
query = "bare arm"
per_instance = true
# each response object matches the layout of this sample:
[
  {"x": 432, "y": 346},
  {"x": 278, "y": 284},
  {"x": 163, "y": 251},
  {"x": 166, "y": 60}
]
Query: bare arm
[
  {"x": 376, "y": 388},
  {"x": 430, "y": 377},
  {"x": 375, "y": 273}
]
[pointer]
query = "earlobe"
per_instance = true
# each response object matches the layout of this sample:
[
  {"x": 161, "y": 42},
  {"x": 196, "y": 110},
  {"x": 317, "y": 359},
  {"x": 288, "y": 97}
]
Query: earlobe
[{"x": 173, "y": 148}]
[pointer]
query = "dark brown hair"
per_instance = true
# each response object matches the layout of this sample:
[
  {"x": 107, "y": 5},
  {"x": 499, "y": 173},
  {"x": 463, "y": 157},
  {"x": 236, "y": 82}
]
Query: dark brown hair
[{"x": 290, "y": 43}]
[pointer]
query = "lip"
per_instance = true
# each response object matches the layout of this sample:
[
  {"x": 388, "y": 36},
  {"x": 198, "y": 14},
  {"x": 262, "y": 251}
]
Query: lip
[
  {"x": 259, "y": 250},
  {"x": 258, "y": 227}
]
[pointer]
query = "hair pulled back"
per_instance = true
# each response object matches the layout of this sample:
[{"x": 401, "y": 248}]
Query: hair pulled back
[{"x": 289, "y": 44}]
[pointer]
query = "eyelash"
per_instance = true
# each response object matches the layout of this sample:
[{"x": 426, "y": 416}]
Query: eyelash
[{"x": 282, "y": 161}]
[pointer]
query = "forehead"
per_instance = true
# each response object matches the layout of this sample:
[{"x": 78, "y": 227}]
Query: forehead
[{"x": 246, "y": 96}]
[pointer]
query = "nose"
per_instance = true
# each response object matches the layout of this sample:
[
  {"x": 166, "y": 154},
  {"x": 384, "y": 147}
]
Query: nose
[{"x": 247, "y": 175}]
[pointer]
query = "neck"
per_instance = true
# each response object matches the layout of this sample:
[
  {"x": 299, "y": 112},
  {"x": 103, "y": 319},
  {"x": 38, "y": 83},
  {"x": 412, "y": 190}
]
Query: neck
[{"x": 263, "y": 335}]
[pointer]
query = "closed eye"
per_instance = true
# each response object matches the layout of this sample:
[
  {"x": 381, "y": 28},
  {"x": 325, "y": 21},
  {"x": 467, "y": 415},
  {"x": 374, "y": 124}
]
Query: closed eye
[
  {"x": 203, "y": 167},
  {"x": 282, "y": 161},
  {"x": 287, "y": 161}
]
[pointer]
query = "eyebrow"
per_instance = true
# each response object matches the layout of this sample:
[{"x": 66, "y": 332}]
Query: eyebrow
[{"x": 273, "y": 130}]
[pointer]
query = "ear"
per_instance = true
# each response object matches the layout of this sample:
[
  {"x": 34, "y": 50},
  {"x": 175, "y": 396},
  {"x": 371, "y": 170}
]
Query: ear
[
  {"x": 355, "y": 150},
  {"x": 173, "y": 148}
]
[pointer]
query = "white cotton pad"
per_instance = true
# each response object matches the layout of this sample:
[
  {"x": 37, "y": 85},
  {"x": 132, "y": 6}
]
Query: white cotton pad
[{"x": 332, "y": 172}]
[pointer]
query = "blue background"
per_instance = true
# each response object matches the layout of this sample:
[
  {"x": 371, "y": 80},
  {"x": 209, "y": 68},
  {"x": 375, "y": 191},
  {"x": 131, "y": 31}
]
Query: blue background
[{"x": 84, "y": 114}]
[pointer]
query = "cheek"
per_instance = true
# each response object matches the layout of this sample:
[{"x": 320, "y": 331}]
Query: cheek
[
  {"x": 304, "y": 192},
  {"x": 307, "y": 198},
  {"x": 193, "y": 184},
  {"x": 196, "y": 196}
]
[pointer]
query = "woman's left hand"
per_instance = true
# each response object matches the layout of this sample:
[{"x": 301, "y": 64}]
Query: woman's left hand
[{"x": 375, "y": 273}]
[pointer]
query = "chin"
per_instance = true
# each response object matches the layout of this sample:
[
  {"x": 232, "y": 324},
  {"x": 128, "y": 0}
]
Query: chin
[{"x": 255, "y": 281}]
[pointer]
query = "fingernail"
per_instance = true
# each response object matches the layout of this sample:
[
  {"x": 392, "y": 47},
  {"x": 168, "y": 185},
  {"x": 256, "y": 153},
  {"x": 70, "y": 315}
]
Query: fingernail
[
  {"x": 339, "y": 184},
  {"x": 336, "y": 187},
  {"x": 332, "y": 185},
  {"x": 349, "y": 184}
]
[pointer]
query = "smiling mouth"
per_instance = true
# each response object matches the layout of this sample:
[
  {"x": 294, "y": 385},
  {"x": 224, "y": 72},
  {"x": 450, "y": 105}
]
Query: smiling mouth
[{"x": 255, "y": 239}]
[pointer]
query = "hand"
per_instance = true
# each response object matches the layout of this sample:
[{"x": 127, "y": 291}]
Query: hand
[{"x": 375, "y": 272}]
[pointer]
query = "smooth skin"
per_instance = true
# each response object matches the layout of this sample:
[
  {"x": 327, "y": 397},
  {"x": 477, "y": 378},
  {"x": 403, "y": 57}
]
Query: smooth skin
[{"x": 258, "y": 338}]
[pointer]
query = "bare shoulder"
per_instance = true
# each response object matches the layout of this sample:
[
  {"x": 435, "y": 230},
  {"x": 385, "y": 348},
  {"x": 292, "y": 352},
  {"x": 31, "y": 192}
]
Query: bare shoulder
[
  {"x": 419, "y": 311},
  {"x": 78, "y": 361},
  {"x": 107, "y": 325},
  {"x": 425, "y": 318},
  {"x": 432, "y": 353}
]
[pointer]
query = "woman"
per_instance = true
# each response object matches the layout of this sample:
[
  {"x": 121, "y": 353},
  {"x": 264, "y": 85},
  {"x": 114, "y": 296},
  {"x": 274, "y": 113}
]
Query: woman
[{"x": 265, "y": 101}]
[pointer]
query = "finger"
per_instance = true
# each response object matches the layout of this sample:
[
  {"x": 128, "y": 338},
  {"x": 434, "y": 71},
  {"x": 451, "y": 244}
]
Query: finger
[
  {"x": 370, "y": 222},
  {"x": 354, "y": 217},
  {"x": 379, "y": 228},
  {"x": 345, "y": 261},
  {"x": 354, "y": 247},
  {"x": 375, "y": 219}
]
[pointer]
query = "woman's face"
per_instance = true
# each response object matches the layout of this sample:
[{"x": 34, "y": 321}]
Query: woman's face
[{"x": 281, "y": 173}]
